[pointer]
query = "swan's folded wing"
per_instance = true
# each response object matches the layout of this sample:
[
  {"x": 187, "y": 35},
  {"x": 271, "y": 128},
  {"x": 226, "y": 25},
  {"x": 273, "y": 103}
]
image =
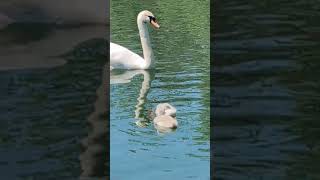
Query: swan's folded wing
[{"x": 121, "y": 57}]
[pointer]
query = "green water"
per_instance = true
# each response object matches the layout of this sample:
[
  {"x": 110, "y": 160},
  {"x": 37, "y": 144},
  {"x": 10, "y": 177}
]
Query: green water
[
  {"x": 52, "y": 111},
  {"x": 266, "y": 89},
  {"x": 180, "y": 77}
]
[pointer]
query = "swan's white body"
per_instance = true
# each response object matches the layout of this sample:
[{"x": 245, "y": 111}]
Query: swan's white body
[{"x": 123, "y": 58}]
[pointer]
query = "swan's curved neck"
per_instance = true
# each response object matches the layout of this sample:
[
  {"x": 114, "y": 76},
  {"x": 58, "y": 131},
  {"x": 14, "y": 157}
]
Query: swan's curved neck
[{"x": 145, "y": 42}]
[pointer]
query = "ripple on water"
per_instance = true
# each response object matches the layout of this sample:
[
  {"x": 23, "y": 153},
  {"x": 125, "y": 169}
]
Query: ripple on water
[{"x": 259, "y": 104}]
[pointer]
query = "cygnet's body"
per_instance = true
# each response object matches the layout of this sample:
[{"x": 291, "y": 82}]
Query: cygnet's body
[{"x": 165, "y": 117}]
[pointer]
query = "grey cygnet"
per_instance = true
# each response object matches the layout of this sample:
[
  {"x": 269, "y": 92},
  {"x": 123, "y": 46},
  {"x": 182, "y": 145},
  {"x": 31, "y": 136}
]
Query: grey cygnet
[{"x": 165, "y": 119}]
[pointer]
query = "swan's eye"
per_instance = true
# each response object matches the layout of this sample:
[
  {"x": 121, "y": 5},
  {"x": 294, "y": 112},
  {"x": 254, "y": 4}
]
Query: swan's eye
[{"x": 152, "y": 19}]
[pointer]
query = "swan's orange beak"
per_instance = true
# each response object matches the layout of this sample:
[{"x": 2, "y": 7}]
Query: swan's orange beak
[{"x": 155, "y": 24}]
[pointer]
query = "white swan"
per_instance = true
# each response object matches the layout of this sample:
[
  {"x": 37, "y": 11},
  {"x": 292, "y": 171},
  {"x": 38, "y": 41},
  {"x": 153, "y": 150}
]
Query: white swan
[
  {"x": 123, "y": 58},
  {"x": 165, "y": 120}
]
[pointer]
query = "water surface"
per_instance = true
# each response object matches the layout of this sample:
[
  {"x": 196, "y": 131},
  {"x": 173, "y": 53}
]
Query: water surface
[
  {"x": 180, "y": 77},
  {"x": 265, "y": 100},
  {"x": 53, "y": 102}
]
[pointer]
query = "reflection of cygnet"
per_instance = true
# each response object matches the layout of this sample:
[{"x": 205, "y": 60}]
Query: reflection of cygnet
[{"x": 165, "y": 117}]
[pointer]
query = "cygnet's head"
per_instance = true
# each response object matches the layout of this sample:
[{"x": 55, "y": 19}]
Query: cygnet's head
[
  {"x": 147, "y": 17},
  {"x": 165, "y": 109}
]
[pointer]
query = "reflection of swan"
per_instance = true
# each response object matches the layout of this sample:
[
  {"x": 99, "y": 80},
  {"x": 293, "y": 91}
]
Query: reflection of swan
[
  {"x": 93, "y": 159},
  {"x": 145, "y": 86},
  {"x": 45, "y": 52},
  {"x": 126, "y": 76},
  {"x": 123, "y": 58},
  {"x": 165, "y": 120}
]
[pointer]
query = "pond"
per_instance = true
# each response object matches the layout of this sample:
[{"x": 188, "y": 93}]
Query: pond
[
  {"x": 181, "y": 78},
  {"x": 266, "y": 90},
  {"x": 53, "y": 105}
]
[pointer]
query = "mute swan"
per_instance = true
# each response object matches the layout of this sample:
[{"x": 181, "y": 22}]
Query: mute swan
[
  {"x": 123, "y": 58},
  {"x": 165, "y": 119}
]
